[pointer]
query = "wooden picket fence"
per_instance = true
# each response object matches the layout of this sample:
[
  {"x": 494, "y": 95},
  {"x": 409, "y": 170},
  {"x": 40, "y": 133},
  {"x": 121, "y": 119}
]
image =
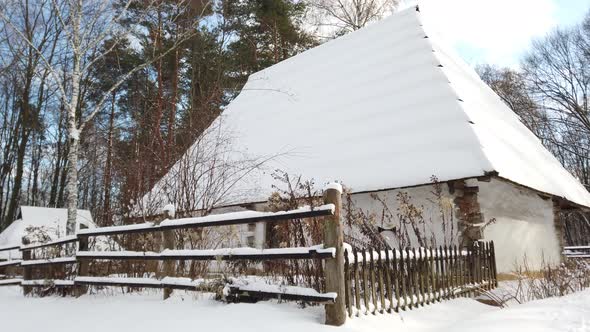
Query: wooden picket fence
[{"x": 379, "y": 281}]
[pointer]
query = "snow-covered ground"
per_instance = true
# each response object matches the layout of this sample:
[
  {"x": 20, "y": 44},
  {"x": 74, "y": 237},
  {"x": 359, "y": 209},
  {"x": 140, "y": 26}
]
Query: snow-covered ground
[{"x": 184, "y": 312}]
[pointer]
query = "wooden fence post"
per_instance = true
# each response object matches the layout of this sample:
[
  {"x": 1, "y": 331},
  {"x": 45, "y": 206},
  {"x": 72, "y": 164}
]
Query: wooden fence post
[
  {"x": 27, "y": 270},
  {"x": 82, "y": 265},
  {"x": 334, "y": 271},
  {"x": 168, "y": 242}
]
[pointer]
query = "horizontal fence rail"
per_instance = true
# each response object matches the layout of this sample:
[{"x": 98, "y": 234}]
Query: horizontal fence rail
[
  {"x": 228, "y": 219},
  {"x": 213, "y": 254},
  {"x": 577, "y": 252}
]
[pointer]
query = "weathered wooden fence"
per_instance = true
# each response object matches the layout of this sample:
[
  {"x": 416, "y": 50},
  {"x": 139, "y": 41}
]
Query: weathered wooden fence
[
  {"x": 379, "y": 281},
  {"x": 369, "y": 281}
]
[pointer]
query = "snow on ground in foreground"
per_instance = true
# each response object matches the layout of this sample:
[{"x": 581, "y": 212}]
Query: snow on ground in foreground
[{"x": 147, "y": 313}]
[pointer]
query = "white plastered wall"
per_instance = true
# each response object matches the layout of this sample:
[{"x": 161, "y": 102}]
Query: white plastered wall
[
  {"x": 524, "y": 225},
  {"x": 422, "y": 197}
]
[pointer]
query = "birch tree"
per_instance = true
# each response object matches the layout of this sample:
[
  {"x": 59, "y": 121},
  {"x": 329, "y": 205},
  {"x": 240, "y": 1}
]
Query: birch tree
[{"x": 86, "y": 26}]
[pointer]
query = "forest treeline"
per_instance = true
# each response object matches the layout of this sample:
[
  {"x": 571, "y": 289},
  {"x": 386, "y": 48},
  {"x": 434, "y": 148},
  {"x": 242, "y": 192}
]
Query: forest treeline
[
  {"x": 99, "y": 98},
  {"x": 130, "y": 84}
]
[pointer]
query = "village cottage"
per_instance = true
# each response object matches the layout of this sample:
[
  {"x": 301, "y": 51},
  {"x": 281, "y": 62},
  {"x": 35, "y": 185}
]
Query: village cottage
[
  {"x": 40, "y": 224},
  {"x": 388, "y": 109}
]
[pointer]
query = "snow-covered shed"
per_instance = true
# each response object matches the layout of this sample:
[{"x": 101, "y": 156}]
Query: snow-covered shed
[
  {"x": 51, "y": 222},
  {"x": 383, "y": 110}
]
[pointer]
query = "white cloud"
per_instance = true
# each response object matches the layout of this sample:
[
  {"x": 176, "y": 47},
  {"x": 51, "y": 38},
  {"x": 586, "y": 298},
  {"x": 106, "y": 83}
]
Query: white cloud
[{"x": 492, "y": 31}]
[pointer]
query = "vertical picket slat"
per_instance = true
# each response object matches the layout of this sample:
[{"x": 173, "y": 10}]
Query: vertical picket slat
[
  {"x": 432, "y": 274},
  {"x": 427, "y": 274},
  {"x": 410, "y": 276},
  {"x": 380, "y": 269},
  {"x": 373, "y": 290},
  {"x": 462, "y": 270},
  {"x": 347, "y": 283},
  {"x": 472, "y": 270},
  {"x": 402, "y": 277},
  {"x": 397, "y": 277},
  {"x": 477, "y": 265},
  {"x": 443, "y": 276},
  {"x": 493, "y": 258},
  {"x": 388, "y": 270},
  {"x": 357, "y": 292},
  {"x": 420, "y": 274},
  {"x": 438, "y": 274},
  {"x": 365, "y": 283},
  {"x": 454, "y": 282}
]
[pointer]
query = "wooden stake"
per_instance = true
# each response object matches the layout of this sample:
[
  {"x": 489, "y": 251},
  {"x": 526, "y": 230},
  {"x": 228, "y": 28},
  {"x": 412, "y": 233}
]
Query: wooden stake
[
  {"x": 357, "y": 293},
  {"x": 334, "y": 268}
]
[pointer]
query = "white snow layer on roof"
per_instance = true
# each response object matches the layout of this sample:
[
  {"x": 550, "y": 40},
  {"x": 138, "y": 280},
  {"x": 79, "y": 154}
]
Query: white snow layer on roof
[
  {"x": 384, "y": 107},
  {"x": 52, "y": 220}
]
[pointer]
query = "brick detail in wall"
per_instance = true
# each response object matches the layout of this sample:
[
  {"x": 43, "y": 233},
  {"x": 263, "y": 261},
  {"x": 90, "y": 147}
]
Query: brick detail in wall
[{"x": 467, "y": 210}]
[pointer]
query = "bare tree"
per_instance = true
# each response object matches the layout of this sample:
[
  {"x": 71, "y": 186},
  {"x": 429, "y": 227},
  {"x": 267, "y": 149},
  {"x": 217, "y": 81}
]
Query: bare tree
[
  {"x": 86, "y": 26},
  {"x": 337, "y": 17},
  {"x": 557, "y": 72}
]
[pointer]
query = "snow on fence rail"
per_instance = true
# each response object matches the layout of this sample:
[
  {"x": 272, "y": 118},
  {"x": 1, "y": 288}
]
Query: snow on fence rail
[
  {"x": 576, "y": 251},
  {"x": 227, "y": 219},
  {"x": 214, "y": 254},
  {"x": 390, "y": 280},
  {"x": 260, "y": 290}
]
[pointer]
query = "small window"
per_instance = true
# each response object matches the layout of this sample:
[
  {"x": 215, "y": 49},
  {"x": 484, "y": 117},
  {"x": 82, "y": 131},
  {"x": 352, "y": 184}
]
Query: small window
[{"x": 251, "y": 227}]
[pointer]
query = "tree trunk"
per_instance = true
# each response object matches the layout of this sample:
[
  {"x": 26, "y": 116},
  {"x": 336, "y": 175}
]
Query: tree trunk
[
  {"x": 107, "y": 169},
  {"x": 72, "y": 186}
]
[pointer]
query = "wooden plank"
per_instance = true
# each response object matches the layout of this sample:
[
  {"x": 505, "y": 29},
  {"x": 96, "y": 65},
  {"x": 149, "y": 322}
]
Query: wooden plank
[
  {"x": 453, "y": 260},
  {"x": 471, "y": 270},
  {"x": 438, "y": 274},
  {"x": 365, "y": 283},
  {"x": 83, "y": 266},
  {"x": 418, "y": 275},
  {"x": 50, "y": 261},
  {"x": 494, "y": 270},
  {"x": 388, "y": 270},
  {"x": 461, "y": 262},
  {"x": 263, "y": 295},
  {"x": 426, "y": 270},
  {"x": 27, "y": 270},
  {"x": 10, "y": 282},
  {"x": 380, "y": 268},
  {"x": 15, "y": 262},
  {"x": 395, "y": 275},
  {"x": 411, "y": 285},
  {"x": 105, "y": 255},
  {"x": 357, "y": 293},
  {"x": 347, "y": 283},
  {"x": 445, "y": 259},
  {"x": 62, "y": 241},
  {"x": 10, "y": 247},
  {"x": 373, "y": 288},
  {"x": 432, "y": 265},
  {"x": 195, "y": 223},
  {"x": 401, "y": 278}
]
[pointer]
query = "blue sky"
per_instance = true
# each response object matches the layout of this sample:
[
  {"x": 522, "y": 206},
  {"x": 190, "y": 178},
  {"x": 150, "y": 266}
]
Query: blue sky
[{"x": 498, "y": 31}]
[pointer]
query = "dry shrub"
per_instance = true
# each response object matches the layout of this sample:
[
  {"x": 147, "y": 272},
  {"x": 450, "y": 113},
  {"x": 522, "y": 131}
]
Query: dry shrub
[
  {"x": 528, "y": 284},
  {"x": 291, "y": 193}
]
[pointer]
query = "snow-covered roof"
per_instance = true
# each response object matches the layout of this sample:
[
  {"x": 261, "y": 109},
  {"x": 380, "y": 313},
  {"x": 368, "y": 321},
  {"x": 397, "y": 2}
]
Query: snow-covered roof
[
  {"x": 52, "y": 220},
  {"x": 384, "y": 107}
]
